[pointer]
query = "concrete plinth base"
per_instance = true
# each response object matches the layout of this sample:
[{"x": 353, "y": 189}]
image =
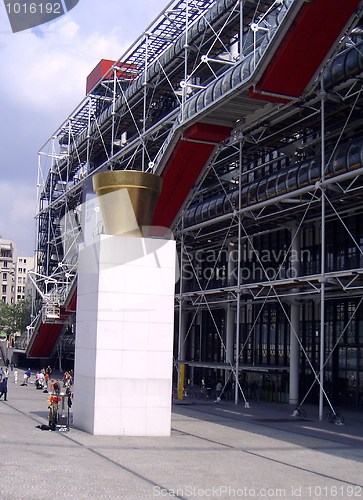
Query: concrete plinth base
[{"x": 124, "y": 336}]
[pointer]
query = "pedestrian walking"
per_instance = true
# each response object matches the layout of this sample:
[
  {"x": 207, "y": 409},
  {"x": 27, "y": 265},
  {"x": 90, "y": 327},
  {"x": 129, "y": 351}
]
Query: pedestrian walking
[
  {"x": 219, "y": 389},
  {"x": 4, "y": 389},
  {"x": 46, "y": 382}
]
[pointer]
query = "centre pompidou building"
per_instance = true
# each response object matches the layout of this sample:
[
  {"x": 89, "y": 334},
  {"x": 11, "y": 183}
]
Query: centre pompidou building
[{"x": 250, "y": 111}]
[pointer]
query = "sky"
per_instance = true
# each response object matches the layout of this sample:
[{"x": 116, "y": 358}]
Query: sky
[{"x": 43, "y": 79}]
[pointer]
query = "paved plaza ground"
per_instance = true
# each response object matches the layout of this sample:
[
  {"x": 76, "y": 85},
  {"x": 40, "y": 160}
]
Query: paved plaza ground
[{"x": 215, "y": 451}]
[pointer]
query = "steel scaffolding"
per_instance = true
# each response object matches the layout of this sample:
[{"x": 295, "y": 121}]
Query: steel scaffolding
[{"x": 289, "y": 167}]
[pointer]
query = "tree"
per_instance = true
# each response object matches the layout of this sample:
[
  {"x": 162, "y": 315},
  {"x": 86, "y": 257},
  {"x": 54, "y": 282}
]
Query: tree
[{"x": 14, "y": 318}]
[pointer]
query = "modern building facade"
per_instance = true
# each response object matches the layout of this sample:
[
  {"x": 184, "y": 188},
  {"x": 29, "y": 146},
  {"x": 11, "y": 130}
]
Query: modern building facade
[{"x": 251, "y": 114}]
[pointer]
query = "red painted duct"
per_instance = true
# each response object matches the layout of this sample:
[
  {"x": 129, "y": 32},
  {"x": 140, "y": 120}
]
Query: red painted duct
[
  {"x": 184, "y": 166},
  {"x": 311, "y": 36}
]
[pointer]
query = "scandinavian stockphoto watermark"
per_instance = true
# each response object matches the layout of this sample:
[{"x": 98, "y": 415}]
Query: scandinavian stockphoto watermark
[
  {"x": 250, "y": 265},
  {"x": 288, "y": 493},
  {"x": 27, "y": 14}
]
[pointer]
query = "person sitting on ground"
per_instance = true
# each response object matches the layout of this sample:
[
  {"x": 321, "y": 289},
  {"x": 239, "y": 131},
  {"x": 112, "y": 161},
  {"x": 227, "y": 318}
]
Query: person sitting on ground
[{"x": 25, "y": 381}]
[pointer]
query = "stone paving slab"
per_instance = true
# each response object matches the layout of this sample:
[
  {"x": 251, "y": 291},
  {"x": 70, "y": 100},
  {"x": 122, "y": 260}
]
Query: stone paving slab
[{"x": 215, "y": 451}]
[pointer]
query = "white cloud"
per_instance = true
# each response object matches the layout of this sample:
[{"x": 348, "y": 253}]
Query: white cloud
[
  {"x": 47, "y": 68},
  {"x": 18, "y": 202}
]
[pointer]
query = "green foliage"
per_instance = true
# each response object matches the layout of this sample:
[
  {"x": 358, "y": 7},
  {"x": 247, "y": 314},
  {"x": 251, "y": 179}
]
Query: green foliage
[{"x": 14, "y": 317}]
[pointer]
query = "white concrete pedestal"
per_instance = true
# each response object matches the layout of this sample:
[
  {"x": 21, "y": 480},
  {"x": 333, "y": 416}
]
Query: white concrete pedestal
[{"x": 124, "y": 336}]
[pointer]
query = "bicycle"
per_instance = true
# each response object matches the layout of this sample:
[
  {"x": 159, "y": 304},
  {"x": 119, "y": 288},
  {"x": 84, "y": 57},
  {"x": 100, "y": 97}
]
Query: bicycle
[{"x": 334, "y": 418}]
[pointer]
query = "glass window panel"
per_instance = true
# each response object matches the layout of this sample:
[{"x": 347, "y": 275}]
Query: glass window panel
[
  {"x": 360, "y": 331},
  {"x": 342, "y": 358},
  {"x": 352, "y": 358},
  {"x": 351, "y": 381},
  {"x": 360, "y": 360}
]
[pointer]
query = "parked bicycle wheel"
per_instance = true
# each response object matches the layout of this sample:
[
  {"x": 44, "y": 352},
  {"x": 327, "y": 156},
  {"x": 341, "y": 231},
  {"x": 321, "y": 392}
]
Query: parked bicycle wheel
[
  {"x": 302, "y": 412},
  {"x": 339, "y": 419},
  {"x": 334, "y": 418}
]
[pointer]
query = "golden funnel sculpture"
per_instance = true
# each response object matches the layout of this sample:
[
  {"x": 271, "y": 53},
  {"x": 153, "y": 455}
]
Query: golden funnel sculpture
[{"x": 127, "y": 200}]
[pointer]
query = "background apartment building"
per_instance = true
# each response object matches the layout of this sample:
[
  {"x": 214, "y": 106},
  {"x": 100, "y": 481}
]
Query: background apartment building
[
  {"x": 7, "y": 256},
  {"x": 14, "y": 270},
  {"x": 22, "y": 287}
]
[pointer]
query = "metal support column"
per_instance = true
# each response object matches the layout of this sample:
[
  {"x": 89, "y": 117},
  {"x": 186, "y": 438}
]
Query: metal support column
[
  {"x": 181, "y": 331},
  {"x": 230, "y": 309},
  {"x": 230, "y": 326},
  {"x": 294, "y": 319},
  {"x": 322, "y": 271},
  {"x": 294, "y": 354},
  {"x": 238, "y": 301}
]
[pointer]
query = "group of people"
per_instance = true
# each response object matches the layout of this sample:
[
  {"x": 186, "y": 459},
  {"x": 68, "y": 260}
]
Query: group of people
[{"x": 43, "y": 380}]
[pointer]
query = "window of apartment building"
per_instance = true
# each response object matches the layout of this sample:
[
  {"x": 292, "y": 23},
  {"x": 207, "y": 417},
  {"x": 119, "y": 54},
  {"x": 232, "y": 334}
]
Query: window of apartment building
[
  {"x": 19, "y": 280},
  {"x": 3, "y": 299},
  {"x": 5, "y": 276},
  {"x": 20, "y": 270},
  {"x": 4, "y": 288},
  {"x": 19, "y": 289},
  {"x": 5, "y": 263}
]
